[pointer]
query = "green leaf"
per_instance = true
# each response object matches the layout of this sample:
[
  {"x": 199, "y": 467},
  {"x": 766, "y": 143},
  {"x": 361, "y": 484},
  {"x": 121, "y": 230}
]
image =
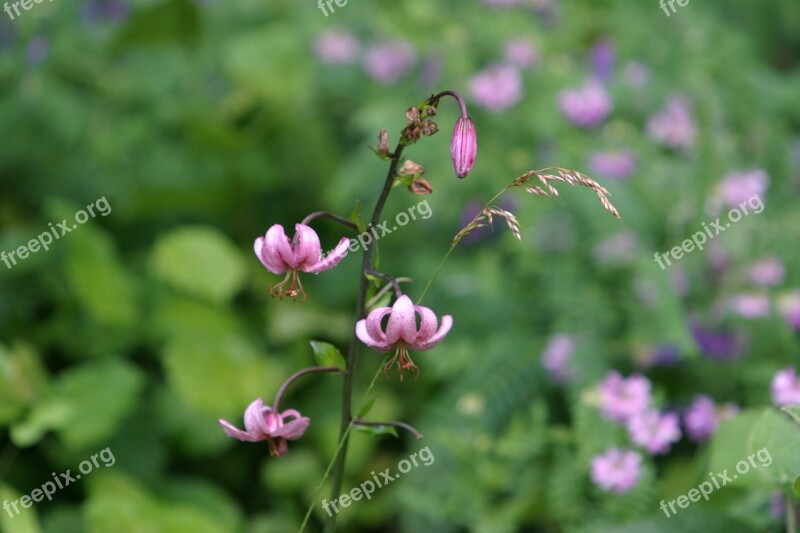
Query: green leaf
[
  {"x": 327, "y": 354},
  {"x": 22, "y": 380},
  {"x": 96, "y": 276},
  {"x": 377, "y": 431},
  {"x": 167, "y": 21},
  {"x": 762, "y": 439},
  {"x": 219, "y": 376},
  {"x": 200, "y": 261},
  {"x": 796, "y": 487},
  {"x": 86, "y": 405},
  {"x": 793, "y": 411},
  {"x": 24, "y": 522}
]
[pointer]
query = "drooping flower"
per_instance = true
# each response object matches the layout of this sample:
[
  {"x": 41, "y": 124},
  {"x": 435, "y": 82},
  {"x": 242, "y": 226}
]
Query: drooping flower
[
  {"x": 673, "y": 126},
  {"x": 703, "y": 417},
  {"x": 262, "y": 423},
  {"x": 654, "y": 431},
  {"x": 463, "y": 146},
  {"x": 785, "y": 388},
  {"x": 617, "y": 470},
  {"x": 586, "y": 106},
  {"x": 303, "y": 253},
  {"x": 401, "y": 332},
  {"x": 497, "y": 87},
  {"x": 623, "y": 398}
]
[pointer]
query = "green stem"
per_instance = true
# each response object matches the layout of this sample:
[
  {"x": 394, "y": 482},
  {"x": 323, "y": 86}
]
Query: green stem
[
  {"x": 338, "y": 449},
  {"x": 352, "y": 352}
]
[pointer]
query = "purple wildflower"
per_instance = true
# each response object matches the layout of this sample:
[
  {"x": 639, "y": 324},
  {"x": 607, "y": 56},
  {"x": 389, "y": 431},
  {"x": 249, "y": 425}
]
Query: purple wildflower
[
  {"x": 737, "y": 187},
  {"x": 673, "y": 126},
  {"x": 586, "y": 106},
  {"x": 703, "y": 417},
  {"x": 654, "y": 431},
  {"x": 767, "y": 272},
  {"x": 613, "y": 164},
  {"x": 497, "y": 87},
  {"x": 616, "y": 470},
  {"x": 785, "y": 388},
  {"x": 387, "y": 62},
  {"x": 623, "y": 398},
  {"x": 336, "y": 47},
  {"x": 556, "y": 357}
]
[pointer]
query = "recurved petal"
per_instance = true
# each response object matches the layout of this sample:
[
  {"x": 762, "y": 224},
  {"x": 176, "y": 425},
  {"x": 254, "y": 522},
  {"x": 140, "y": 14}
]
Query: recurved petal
[
  {"x": 276, "y": 245},
  {"x": 294, "y": 429},
  {"x": 331, "y": 260},
  {"x": 231, "y": 431},
  {"x": 364, "y": 336},
  {"x": 436, "y": 338},
  {"x": 374, "y": 320},
  {"x": 427, "y": 324},
  {"x": 402, "y": 322},
  {"x": 273, "y": 264},
  {"x": 307, "y": 251},
  {"x": 254, "y": 421}
]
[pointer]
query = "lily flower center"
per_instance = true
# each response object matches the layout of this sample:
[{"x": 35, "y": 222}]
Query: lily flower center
[
  {"x": 402, "y": 358},
  {"x": 294, "y": 289}
]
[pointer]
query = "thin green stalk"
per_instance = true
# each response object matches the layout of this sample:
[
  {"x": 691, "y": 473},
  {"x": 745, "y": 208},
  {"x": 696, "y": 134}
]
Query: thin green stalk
[
  {"x": 453, "y": 246},
  {"x": 363, "y": 402}
]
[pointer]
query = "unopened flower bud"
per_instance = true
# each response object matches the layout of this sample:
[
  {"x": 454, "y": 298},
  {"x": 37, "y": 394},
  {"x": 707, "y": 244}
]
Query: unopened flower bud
[
  {"x": 420, "y": 186},
  {"x": 463, "y": 146},
  {"x": 383, "y": 143},
  {"x": 413, "y": 114}
]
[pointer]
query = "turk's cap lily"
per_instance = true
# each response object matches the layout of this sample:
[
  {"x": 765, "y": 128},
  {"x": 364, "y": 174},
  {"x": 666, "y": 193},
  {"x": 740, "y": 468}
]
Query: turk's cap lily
[
  {"x": 262, "y": 423},
  {"x": 463, "y": 146},
  {"x": 304, "y": 253},
  {"x": 401, "y": 331}
]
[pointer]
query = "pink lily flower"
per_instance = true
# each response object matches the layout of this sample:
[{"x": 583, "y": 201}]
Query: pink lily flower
[
  {"x": 262, "y": 423},
  {"x": 303, "y": 253},
  {"x": 401, "y": 332}
]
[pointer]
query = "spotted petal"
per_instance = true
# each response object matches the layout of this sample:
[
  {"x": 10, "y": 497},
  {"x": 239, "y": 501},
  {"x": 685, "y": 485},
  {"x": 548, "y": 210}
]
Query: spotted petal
[
  {"x": 447, "y": 323},
  {"x": 254, "y": 421},
  {"x": 427, "y": 324},
  {"x": 331, "y": 260},
  {"x": 366, "y": 338},
  {"x": 402, "y": 322}
]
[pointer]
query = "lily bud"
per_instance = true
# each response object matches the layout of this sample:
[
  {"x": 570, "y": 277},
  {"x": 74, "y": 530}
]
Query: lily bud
[{"x": 463, "y": 146}]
